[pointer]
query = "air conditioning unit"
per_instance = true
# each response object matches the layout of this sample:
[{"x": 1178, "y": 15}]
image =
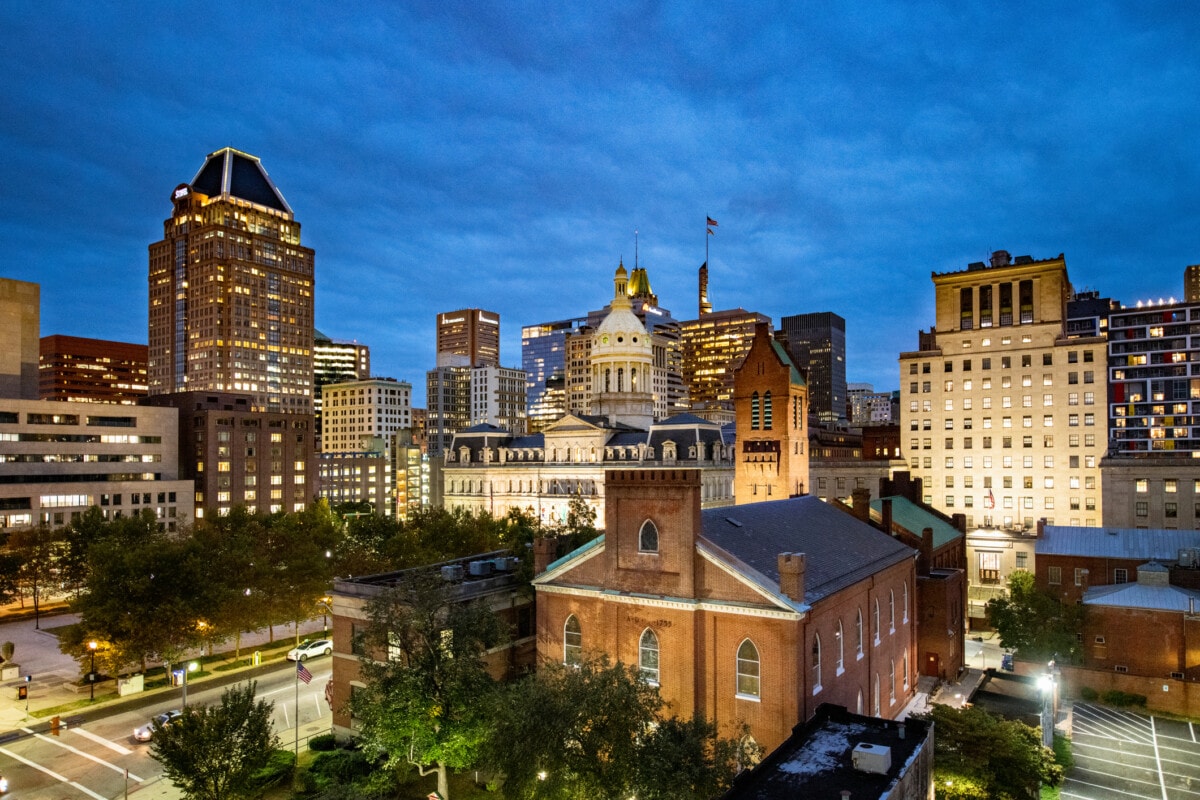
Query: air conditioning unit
[
  {"x": 873, "y": 758},
  {"x": 1189, "y": 557},
  {"x": 452, "y": 572},
  {"x": 504, "y": 563},
  {"x": 481, "y": 569}
]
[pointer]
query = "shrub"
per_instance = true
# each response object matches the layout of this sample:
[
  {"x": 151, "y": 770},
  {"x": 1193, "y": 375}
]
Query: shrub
[
  {"x": 1115, "y": 697},
  {"x": 278, "y": 768},
  {"x": 1089, "y": 694},
  {"x": 340, "y": 767},
  {"x": 323, "y": 743}
]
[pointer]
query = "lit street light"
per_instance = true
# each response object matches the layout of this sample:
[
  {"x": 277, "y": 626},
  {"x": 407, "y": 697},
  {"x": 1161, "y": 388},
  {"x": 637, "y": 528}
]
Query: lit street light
[
  {"x": 189, "y": 667},
  {"x": 92, "y": 671},
  {"x": 326, "y": 610}
]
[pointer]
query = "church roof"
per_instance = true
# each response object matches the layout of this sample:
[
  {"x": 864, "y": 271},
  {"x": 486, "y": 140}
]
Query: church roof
[
  {"x": 781, "y": 351},
  {"x": 841, "y": 549},
  {"x": 241, "y": 175},
  {"x": 915, "y": 519}
]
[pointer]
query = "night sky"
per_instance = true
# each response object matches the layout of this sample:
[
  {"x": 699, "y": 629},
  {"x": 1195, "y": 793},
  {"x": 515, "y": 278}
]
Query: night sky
[{"x": 446, "y": 155}]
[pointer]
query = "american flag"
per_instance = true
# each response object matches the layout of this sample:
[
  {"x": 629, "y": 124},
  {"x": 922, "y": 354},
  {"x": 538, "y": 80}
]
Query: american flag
[{"x": 302, "y": 672}]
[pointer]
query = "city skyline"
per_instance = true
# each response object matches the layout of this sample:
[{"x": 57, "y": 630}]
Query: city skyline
[{"x": 502, "y": 158}]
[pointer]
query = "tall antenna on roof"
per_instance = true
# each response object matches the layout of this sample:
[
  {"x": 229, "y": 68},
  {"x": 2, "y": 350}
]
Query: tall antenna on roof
[{"x": 635, "y": 248}]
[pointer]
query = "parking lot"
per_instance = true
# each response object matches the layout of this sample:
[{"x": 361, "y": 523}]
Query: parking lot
[{"x": 1120, "y": 755}]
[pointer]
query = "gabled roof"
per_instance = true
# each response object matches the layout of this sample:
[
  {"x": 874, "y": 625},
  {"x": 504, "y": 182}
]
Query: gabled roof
[
  {"x": 782, "y": 352},
  {"x": 232, "y": 172},
  {"x": 914, "y": 519},
  {"x": 1128, "y": 543},
  {"x": 840, "y": 549}
]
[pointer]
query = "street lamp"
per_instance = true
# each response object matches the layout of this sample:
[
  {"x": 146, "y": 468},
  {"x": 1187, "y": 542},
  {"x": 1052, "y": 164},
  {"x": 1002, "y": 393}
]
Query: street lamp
[
  {"x": 92, "y": 671},
  {"x": 1047, "y": 684},
  {"x": 189, "y": 667},
  {"x": 326, "y": 610}
]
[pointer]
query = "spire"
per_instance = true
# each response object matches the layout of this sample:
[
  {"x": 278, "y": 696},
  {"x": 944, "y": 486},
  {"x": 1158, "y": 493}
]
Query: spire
[
  {"x": 705, "y": 306},
  {"x": 621, "y": 288}
]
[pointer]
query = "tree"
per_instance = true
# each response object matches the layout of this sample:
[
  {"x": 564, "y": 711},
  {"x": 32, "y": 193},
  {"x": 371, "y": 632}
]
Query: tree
[
  {"x": 979, "y": 755},
  {"x": 596, "y": 730},
  {"x": 427, "y": 687},
  {"x": 1035, "y": 623},
  {"x": 38, "y": 549},
  {"x": 210, "y": 752}
]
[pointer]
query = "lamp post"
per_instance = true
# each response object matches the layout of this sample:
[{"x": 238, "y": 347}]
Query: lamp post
[
  {"x": 326, "y": 610},
  {"x": 1046, "y": 684},
  {"x": 92, "y": 671},
  {"x": 189, "y": 667}
]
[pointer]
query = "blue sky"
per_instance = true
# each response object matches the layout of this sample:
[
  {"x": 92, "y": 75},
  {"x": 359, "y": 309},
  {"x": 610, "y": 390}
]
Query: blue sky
[{"x": 444, "y": 155}]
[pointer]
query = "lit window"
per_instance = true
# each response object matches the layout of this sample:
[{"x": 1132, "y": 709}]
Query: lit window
[
  {"x": 748, "y": 670},
  {"x": 648, "y": 657}
]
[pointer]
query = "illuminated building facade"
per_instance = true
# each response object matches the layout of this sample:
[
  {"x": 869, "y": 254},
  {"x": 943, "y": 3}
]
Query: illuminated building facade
[
  {"x": 1002, "y": 411},
  {"x": 336, "y": 361},
  {"x": 356, "y": 412},
  {"x": 468, "y": 337},
  {"x": 712, "y": 348},
  {"x": 231, "y": 290},
  {"x": 20, "y": 327},
  {"x": 544, "y": 359},
  {"x": 79, "y": 370}
]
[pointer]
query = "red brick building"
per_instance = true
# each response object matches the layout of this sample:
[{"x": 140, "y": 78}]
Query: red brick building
[
  {"x": 770, "y": 401},
  {"x": 1068, "y": 560},
  {"x": 75, "y": 369},
  {"x": 750, "y": 615}
]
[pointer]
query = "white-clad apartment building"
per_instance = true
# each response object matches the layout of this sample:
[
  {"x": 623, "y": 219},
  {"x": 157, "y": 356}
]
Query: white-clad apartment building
[{"x": 356, "y": 412}]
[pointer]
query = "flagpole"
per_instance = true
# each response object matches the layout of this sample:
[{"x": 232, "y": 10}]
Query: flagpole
[{"x": 296, "y": 681}]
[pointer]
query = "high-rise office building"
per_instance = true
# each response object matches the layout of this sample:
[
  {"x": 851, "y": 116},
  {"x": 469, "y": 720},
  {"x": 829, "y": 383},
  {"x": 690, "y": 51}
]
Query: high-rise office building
[
  {"x": 336, "y": 361},
  {"x": 867, "y": 406},
  {"x": 20, "y": 329},
  {"x": 1002, "y": 412},
  {"x": 358, "y": 411},
  {"x": 498, "y": 397},
  {"x": 817, "y": 344},
  {"x": 448, "y": 406},
  {"x": 231, "y": 290},
  {"x": 79, "y": 370},
  {"x": 712, "y": 347},
  {"x": 469, "y": 337},
  {"x": 544, "y": 359}
]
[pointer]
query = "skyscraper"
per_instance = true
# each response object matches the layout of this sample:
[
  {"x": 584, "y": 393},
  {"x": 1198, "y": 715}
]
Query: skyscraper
[
  {"x": 336, "y": 361},
  {"x": 469, "y": 337},
  {"x": 20, "y": 327},
  {"x": 713, "y": 346},
  {"x": 817, "y": 345},
  {"x": 76, "y": 370},
  {"x": 544, "y": 359},
  {"x": 231, "y": 290}
]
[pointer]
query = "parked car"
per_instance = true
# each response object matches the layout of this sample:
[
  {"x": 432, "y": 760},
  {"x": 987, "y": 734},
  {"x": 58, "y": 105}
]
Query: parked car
[
  {"x": 306, "y": 650},
  {"x": 146, "y": 732}
]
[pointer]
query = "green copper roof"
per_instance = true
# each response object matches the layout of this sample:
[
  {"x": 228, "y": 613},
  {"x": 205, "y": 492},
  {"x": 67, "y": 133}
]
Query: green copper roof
[
  {"x": 782, "y": 352},
  {"x": 915, "y": 519}
]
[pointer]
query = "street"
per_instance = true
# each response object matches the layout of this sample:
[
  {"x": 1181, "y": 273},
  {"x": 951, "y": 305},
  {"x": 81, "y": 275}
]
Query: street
[
  {"x": 983, "y": 654},
  {"x": 91, "y": 758}
]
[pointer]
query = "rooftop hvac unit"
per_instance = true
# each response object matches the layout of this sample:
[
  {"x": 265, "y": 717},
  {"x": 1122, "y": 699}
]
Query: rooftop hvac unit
[
  {"x": 504, "y": 563},
  {"x": 452, "y": 572},
  {"x": 874, "y": 758},
  {"x": 481, "y": 569},
  {"x": 1189, "y": 557}
]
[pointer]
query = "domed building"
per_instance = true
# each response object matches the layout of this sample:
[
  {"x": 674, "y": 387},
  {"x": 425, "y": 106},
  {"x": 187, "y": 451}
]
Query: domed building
[{"x": 489, "y": 468}]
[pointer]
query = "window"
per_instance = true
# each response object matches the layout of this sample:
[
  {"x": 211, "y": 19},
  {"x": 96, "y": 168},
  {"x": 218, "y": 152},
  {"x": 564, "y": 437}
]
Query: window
[
  {"x": 1054, "y": 576},
  {"x": 906, "y": 604},
  {"x": 1080, "y": 574},
  {"x": 572, "y": 641},
  {"x": 891, "y": 611},
  {"x": 858, "y": 635},
  {"x": 841, "y": 649},
  {"x": 648, "y": 538},
  {"x": 1142, "y": 485},
  {"x": 748, "y": 670},
  {"x": 875, "y": 621},
  {"x": 648, "y": 657},
  {"x": 892, "y": 681},
  {"x": 1120, "y": 576},
  {"x": 816, "y": 662}
]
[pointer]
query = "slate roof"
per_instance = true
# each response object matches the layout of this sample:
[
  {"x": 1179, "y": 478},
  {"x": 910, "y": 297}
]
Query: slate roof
[
  {"x": 841, "y": 550},
  {"x": 913, "y": 518},
  {"x": 241, "y": 175},
  {"x": 1128, "y": 543}
]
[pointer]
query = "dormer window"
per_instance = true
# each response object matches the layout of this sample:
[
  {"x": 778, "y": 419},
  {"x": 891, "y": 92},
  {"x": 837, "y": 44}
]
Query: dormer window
[{"x": 648, "y": 538}]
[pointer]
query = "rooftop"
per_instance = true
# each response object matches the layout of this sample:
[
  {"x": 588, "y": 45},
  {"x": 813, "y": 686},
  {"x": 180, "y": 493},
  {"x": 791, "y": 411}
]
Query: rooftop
[{"x": 1127, "y": 543}]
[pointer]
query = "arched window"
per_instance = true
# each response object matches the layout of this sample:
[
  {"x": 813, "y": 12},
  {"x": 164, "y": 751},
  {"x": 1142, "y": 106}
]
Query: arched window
[
  {"x": 633, "y": 379},
  {"x": 572, "y": 641},
  {"x": 875, "y": 621},
  {"x": 875, "y": 701},
  {"x": 608, "y": 380},
  {"x": 859, "y": 707},
  {"x": 841, "y": 651},
  {"x": 767, "y": 411},
  {"x": 754, "y": 411},
  {"x": 648, "y": 538},
  {"x": 816, "y": 662},
  {"x": 748, "y": 675},
  {"x": 858, "y": 635},
  {"x": 620, "y": 379},
  {"x": 904, "y": 667},
  {"x": 648, "y": 657},
  {"x": 906, "y": 602},
  {"x": 892, "y": 680},
  {"x": 891, "y": 611}
]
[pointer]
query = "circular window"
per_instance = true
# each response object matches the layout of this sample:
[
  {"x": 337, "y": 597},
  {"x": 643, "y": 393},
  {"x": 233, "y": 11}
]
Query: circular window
[
  {"x": 620, "y": 338},
  {"x": 635, "y": 340},
  {"x": 604, "y": 340}
]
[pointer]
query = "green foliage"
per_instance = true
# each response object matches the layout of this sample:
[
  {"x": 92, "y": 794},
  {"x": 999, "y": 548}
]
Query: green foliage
[
  {"x": 1062, "y": 753},
  {"x": 596, "y": 731},
  {"x": 1089, "y": 694},
  {"x": 6, "y": 651},
  {"x": 279, "y": 767},
  {"x": 323, "y": 743},
  {"x": 1035, "y": 623},
  {"x": 31, "y": 561},
  {"x": 425, "y": 698},
  {"x": 212, "y": 752},
  {"x": 1115, "y": 697},
  {"x": 979, "y": 755},
  {"x": 340, "y": 767}
]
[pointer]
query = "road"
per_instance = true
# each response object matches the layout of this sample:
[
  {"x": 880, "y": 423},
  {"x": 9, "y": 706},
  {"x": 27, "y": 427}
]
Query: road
[{"x": 89, "y": 760}]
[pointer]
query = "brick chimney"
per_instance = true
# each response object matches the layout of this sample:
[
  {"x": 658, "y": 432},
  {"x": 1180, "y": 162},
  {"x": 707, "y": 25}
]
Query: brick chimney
[
  {"x": 886, "y": 513},
  {"x": 544, "y": 551},
  {"x": 926, "y": 561},
  {"x": 791, "y": 575},
  {"x": 862, "y": 504}
]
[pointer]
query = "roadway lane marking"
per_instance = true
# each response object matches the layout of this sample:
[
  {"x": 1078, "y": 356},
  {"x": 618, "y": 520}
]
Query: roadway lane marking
[
  {"x": 101, "y": 740},
  {"x": 1161, "y": 778},
  {"x": 52, "y": 774},
  {"x": 54, "y": 741}
]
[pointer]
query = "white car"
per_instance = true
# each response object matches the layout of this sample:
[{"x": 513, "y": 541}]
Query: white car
[
  {"x": 146, "y": 732},
  {"x": 306, "y": 650}
]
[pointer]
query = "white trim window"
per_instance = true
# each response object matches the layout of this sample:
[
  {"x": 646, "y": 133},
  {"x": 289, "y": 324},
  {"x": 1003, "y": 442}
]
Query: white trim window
[
  {"x": 816, "y": 662},
  {"x": 749, "y": 668},
  {"x": 572, "y": 642},
  {"x": 648, "y": 657}
]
